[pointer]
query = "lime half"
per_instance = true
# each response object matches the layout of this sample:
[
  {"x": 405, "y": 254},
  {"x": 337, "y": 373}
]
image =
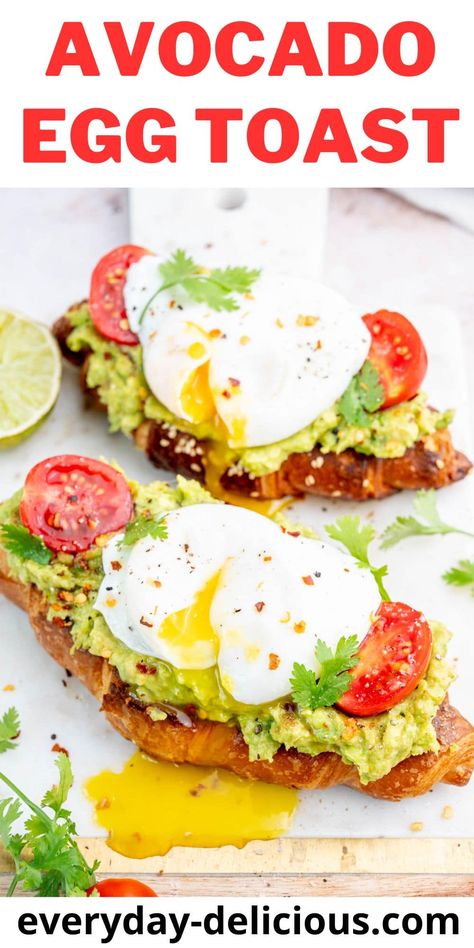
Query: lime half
[{"x": 30, "y": 376}]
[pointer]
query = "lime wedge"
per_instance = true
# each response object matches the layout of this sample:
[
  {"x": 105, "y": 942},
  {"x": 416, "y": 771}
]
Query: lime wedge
[{"x": 30, "y": 376}]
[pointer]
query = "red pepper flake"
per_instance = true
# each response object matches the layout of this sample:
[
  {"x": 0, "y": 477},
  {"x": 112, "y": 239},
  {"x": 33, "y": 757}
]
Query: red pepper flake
[
  {"x": 115, "y": 565},
  {"x": 143, "y": 621},
  {"x": 234, "y": 382},
  {"x": 61, "y": 623},
  {"x": 259, "y": 606},
  {"x": 145, "y": 669},
  {"x": 273, "y": 661},
  {"x": 308, "y": 580},
  {"x": 57, "y": 749},
  {"x": 293, "y": 533},
  {"x": 103, "y": 804},
  {"x": 226, "y": 394},
  {"x": 197, "y": 790}
]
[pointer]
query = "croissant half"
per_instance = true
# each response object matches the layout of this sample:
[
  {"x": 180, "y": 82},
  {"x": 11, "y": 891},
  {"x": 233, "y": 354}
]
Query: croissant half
[
  {"x": 431, "y": 462},
  {"x": 219, "y": 745}
]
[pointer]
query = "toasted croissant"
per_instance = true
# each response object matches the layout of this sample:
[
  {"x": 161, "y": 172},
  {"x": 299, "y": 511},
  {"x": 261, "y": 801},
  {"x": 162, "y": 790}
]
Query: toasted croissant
[
  {"x": 220, "y": 745},
  {"x": 431, "y": 462}
]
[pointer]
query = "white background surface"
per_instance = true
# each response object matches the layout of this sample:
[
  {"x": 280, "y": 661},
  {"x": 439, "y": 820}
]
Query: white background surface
[
  {"x": 29, "y": 35},
  {"x": 381, "y": 253}
]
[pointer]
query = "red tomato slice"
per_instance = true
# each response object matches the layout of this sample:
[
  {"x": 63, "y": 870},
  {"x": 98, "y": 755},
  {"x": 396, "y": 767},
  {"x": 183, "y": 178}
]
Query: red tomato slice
[
  {"x": 69, "y": 501},
  {"x": 393, "y": 658},
  {"x": 398, "y": 354},
  {"x": 122, "y": 888},
  {"x": 106, "y": 300}
]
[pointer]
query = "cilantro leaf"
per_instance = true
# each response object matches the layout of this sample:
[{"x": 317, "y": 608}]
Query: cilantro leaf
[
  {"x": 334, "y": 678},
  {"x": 461, "y": 575},
  {"x": 58, "y": 794},
  {"x": 235, "y": 279},
  {"x": 214, "y": 287},
  {"x": 350, "y": 406},
  {"x": 10, "y": 812},
  {"x": 19, "y": 541},
  {"x": 356, "y": 537},
  {"x": 363, "y": 396},
  {"x": 9, "y": 729},
  {"x": 429, "y": 522},
  {"x": 205, "y": 290},
  {"x": 46, "y": 856},
  {"x": 145, "y": 526},
  {"x": 372, "y": 393},
  {"x": 179, "y": 267}
]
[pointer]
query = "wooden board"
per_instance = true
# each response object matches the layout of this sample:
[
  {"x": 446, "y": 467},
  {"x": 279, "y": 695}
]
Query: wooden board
[
  {"x": 297, "y": 886},
  {"x": 349, "y": 867},
  {"x": 297, "y": 856}
]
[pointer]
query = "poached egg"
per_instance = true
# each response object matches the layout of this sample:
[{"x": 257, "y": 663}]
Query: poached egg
[
  {"x": 230, "y": 589},
  {"x": 260, "y": 373}
]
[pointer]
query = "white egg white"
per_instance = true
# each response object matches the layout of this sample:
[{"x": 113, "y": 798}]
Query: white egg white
[
  {"x": 275, "y": 364},
  {"x": 273, "y": 595}
]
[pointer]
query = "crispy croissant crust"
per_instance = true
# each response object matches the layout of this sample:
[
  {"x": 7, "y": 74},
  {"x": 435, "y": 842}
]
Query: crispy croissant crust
[
  {"x": 219, "y": 745},
  {"x": 431, "y": 462}
]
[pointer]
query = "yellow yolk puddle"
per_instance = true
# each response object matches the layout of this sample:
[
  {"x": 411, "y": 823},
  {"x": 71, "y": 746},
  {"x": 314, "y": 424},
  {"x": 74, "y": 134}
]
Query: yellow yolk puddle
[
  {"x": 217, "y": 464},
  {"x": 151, "y": 806},
  {"x": 190, "y": 629}
]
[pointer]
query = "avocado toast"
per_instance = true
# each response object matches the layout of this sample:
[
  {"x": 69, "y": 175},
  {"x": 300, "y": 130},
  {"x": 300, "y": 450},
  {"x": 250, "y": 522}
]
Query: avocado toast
[
  {"x": 175, "y": 712},
  {"x": 247, "y": 394}
]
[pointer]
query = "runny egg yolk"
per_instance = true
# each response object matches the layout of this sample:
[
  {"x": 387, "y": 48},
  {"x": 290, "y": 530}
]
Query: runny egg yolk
[
  {"x": 196, "y": 396},
  {"x": 216, "y": 465},
  {"x": 197, "y": 399},
  {"x": 198, "y": 404},
  {"x": 190, "y": 629},
  {"x": 153, "y": 805}
]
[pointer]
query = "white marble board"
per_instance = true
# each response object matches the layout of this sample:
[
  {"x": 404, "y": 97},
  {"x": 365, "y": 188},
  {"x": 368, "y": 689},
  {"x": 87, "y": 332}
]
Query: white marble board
[{"x": 38, "y": 276}]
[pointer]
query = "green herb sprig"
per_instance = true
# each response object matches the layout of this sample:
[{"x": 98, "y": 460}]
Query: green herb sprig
[
  {"x": 23, "y": 544},
  {"x": 334, "y": 678},
  {"x": 9, "y": 729},
  {"x": 429, "y": 522},
  {"x": 46, "y": 855},
  {"x": 356, "y": 538},
  {"x": 144, "y": 526},
  {"x": 214, "y": 287},
  {"x": 362, "y": 397},
  {"x": 461, "y": 575}
]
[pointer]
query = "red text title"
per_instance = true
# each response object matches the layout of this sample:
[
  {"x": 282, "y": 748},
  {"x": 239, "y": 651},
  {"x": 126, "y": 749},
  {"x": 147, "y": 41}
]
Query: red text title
[{"x": 272, "y": 134}]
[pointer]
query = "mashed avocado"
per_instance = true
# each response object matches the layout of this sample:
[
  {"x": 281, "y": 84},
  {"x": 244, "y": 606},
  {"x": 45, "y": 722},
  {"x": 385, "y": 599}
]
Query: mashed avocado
[
  {"x": 117, "y": 373},
  {"x": 374, "y": 745}
]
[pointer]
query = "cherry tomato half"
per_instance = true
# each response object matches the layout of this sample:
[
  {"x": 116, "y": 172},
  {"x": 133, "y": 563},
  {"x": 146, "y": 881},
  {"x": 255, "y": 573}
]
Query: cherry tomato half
[
  {"x": 393, "y": 658},
  {"x": 398, "y": 354},
  {"x": 106, "y": 300},
  {"x": 69, "y": 501},
  {"x": 121, "y": 888}
]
